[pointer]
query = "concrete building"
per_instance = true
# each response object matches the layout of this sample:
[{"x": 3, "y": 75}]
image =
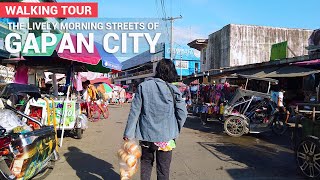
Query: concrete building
[
  {"x": 143, "y": 65},
  {"x": 236, "y": 45}
]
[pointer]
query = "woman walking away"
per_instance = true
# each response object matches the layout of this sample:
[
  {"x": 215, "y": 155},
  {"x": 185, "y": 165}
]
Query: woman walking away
[{"x": 157, "y": 115}]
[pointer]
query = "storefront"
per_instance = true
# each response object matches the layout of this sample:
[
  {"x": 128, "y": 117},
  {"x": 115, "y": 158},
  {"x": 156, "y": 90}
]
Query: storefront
[{"x": 186, "y": 59}]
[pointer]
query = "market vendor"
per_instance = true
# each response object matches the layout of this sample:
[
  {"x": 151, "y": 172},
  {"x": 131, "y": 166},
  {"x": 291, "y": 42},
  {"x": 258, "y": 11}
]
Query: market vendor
[{"x": 91, "y": 94}]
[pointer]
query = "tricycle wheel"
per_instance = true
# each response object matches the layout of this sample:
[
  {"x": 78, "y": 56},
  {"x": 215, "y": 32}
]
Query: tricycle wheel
[
  {"x": 235, "y": 126},
  {"x": 45, "y": 172},
  {"x": 79, "y": 133}
]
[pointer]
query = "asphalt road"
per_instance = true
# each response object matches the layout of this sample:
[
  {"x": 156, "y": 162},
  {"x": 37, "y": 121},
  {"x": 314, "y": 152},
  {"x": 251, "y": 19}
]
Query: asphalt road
[{"x": 202, "y": 153}]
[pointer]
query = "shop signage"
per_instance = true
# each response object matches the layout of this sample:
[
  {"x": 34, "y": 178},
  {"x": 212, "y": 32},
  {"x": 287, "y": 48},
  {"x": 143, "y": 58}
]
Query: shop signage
[
  {"x": 182, "y": 52},
  {"x": 70, "y": 112},
  {"x": 182, "y": 64},
  {"x": 279, "y": 51}
]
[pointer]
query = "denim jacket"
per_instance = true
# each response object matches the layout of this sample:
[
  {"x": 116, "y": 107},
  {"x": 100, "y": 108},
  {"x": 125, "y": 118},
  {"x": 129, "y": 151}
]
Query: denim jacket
[{"x": 152, "y": 116}]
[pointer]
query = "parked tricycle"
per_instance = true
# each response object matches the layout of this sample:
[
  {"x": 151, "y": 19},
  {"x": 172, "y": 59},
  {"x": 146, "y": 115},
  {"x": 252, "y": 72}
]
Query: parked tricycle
[
  {"x": 25, "y": 151},
  {"x": 67, "y": 112},
  {"x": 253, "y": 111}
]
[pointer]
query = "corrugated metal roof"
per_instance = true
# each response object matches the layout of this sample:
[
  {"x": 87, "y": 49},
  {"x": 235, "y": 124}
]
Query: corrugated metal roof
[{"x": 137, "y": 60}]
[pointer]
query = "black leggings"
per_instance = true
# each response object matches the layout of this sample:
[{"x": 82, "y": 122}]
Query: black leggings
[{"x": 163, "y": 160}]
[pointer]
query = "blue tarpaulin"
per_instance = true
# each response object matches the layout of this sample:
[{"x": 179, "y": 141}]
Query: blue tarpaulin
[{"x": 108, "y": 60}]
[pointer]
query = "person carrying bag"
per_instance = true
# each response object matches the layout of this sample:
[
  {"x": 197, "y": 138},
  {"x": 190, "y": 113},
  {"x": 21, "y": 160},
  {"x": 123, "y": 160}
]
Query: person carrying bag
[{"x": 157, "y": 115}]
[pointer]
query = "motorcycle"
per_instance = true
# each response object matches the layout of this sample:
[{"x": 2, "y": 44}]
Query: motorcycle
[
  {"x": 253, "y": 112},
  {"x": 25, "y": 153}
]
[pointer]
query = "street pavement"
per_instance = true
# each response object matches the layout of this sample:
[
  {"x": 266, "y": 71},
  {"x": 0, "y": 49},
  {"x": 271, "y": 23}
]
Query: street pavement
[{"x": 203, "y": 152}]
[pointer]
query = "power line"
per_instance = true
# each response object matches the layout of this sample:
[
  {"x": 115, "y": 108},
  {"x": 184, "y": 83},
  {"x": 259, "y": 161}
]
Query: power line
[
  {"x": 172, "y": 19},
  {"x": 163, "y": 8}
]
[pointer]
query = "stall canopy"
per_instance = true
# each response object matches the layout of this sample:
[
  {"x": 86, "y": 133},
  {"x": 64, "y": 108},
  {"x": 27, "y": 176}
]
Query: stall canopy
[
  {"x": 309, "y": 63},
  {"x": 108, "y": 61},
  {"x": 101, "y": 80},
  {"x": 84, "y": 57},
  {"x": 277, "y": 72}
]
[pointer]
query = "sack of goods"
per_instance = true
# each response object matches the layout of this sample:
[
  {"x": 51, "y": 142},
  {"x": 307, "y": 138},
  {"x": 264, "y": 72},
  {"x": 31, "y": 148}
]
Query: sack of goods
[{"x": 129, "y": 155}]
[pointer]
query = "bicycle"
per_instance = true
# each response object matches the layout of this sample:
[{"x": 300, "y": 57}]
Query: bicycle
[{"x": 96, "y": 112}]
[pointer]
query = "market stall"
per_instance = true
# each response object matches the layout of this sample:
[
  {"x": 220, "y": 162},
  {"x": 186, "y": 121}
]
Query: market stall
[
  {"x": 64, "y": 106},
  {"x": 208, "y": 100}
]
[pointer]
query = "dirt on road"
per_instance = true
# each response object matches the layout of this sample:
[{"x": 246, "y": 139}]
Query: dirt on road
[{"x": 203, "y": 152}]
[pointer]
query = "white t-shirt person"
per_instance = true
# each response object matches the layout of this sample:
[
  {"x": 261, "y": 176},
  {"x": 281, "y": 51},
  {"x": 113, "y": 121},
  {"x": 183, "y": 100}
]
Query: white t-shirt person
[{"x": 277, "y": 97}]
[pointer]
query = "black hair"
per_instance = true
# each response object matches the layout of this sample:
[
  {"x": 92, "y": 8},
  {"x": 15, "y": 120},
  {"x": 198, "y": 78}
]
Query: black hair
[
  {"x": 166, "y": 71},
  {"x": 86, "y": 83},
  {"x": 275, "y": 88}
]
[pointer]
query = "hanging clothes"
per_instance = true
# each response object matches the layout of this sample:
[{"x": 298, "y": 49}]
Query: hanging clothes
[
  {"x": 21, "y": 75},
  {"x": 78, "y": 83}
]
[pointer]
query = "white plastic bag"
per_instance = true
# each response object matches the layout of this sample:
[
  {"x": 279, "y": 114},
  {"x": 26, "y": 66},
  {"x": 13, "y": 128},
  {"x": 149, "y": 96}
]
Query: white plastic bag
[
  {"x": 129, "y": 155},
  {"x": 84, "y": 121},
  {"x": 9, "y": 120}
]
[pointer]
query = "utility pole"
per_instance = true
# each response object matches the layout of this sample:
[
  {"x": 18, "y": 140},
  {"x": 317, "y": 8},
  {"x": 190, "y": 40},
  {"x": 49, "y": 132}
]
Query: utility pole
[
  {"x": 171, "y": 19},
  {"x": 181, "y": 66}
]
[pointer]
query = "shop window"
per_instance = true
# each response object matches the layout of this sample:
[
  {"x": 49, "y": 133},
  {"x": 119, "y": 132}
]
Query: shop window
[
  {"x": 204, "y": 56},
  {"x": 196, "y": 68}
]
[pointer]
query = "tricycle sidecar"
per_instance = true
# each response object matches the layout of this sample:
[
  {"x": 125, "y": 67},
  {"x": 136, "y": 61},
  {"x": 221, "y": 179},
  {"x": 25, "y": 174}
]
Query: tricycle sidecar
[{"x": 252, "y": 111}]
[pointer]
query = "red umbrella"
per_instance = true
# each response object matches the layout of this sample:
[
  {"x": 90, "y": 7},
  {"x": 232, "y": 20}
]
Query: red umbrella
[
  {"x": 83, "y": 57},
  {"x": 101, "y": 80},
  {"x": 52, "y": 51}
]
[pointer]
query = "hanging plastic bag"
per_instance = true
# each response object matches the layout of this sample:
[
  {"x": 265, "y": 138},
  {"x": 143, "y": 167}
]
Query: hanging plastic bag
[
  {"x": 84, "y": 121},
  {"x": 9, "y": 121},
  {"x": 129, "y": 155}
]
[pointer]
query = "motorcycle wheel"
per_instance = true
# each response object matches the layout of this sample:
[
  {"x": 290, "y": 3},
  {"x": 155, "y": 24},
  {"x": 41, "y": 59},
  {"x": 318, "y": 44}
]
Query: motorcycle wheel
[
  {"x": 79, "y": 133},
  {"x": 308, "y": 157},
  {"x": 235, "y": 126}
]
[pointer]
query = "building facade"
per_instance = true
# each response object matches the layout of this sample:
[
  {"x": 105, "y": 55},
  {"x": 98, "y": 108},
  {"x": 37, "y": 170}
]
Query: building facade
[
  {"x": 236, "y": 45},
  {"x": 143, "y": 65}
]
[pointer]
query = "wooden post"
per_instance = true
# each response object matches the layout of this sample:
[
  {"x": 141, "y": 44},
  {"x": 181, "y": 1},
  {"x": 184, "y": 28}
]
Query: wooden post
[{"x": 314, "y": 114}]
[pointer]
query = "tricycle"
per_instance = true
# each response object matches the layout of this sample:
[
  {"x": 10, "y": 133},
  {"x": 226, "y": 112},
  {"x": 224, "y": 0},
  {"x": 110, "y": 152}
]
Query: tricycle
[
  {"x": 25, "y": 152},
  {"x": 251, "y": 111},
  {"x": 67, "y": 111}
]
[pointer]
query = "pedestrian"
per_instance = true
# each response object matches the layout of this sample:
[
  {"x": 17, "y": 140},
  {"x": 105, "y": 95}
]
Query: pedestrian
[
  {"x": 122, "y": 96},
  {"x": 91, "y": 95},
  {"x": 277, "y": 96},
  {"x": 102, "y": 93},
  {"x": 114, "y": 96},
  {"x": 157, "y": 115}
]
